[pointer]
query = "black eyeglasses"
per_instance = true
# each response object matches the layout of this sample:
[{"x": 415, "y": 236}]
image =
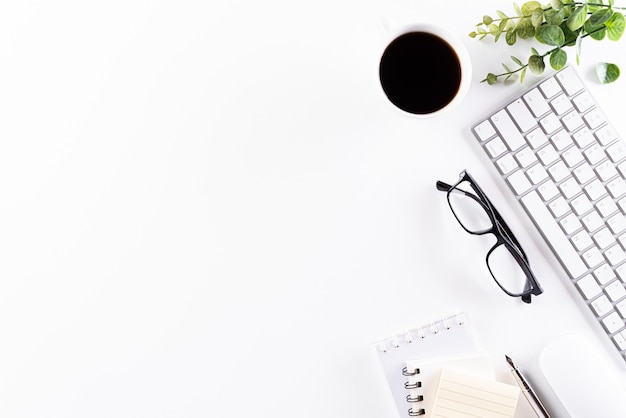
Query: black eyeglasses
[{"x": 506, "y": 260}]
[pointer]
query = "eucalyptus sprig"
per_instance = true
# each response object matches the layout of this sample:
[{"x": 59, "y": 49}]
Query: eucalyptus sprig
[{"x": 559, "y": 24}]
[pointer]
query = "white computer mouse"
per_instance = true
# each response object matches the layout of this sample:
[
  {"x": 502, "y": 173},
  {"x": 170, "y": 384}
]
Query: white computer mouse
[{"x": 582, "y": 378}]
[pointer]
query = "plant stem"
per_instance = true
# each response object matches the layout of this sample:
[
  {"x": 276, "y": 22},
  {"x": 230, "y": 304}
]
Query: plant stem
[{"x": 543, "y": 55}]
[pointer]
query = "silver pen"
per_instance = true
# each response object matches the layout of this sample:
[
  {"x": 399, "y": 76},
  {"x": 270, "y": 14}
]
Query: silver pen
[{"x": 527, "y": 390}]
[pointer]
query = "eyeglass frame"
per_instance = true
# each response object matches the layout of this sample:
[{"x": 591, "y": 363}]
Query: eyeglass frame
[{"x": 502, "y": 232}]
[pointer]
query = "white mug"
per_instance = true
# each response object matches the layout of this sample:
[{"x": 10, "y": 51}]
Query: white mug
[{"x": 424, "y": 69}]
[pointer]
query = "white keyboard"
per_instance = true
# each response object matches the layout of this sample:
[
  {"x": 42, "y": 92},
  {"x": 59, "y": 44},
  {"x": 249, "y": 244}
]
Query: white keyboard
[{"x": 566, "y": 165}]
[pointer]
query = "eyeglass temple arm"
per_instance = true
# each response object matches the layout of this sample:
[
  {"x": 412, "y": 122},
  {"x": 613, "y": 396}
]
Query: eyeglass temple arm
[{"x": 445, "y": 187}]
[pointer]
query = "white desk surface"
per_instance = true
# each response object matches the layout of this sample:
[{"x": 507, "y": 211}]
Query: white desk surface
[{"x": 212, "y": 211}]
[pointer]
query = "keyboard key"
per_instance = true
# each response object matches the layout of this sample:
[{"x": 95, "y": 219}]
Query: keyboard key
[
  {"x": 550, "y": 88},
  {"x": 507, "y": 164},
  {"x": 535, "y": 100},
  {"x": 613, "y": 322},
  {"x": 559, "y": 207},
  {"x": 621, "y": 308},
  {"x": 616, "y": 152},
  {"x": 594, "y": 154},
  {"x": 583, "y": 102},
  {"x": 620, "y": 340},
  {"x": 569, "y": 80},
  {"x": 616, "y": 187},
  {"x": 595, "y": 118},
  {"x": 622, "y": 240},
  {"x": 592, "y": 221},
  {"x": 561, "y": 104},
  {"x": 581, "y": 204},
  {"x": 572, "y": 156},
  {"x": 558, "y": 171},
  {"x": 536, "y": 138},
  {"x": 570, "y": 224},
  {"x": 495, "y": 147},
  {"x": 547, "y": 154},
  {"x": 508, "y": 131},
  {"x": 615, "y": 255},
  {"x": 615, "y": 290},
  {"x": 617, "y": 223},
  {"x": 547, "y": 190},
  {"x": 561, "y": 140},
  {"x": 519, "y": 182},
  {"x": 606, "y": 170},
  {"x": 572, "y": 121},
  {"x": 526, "y": 157},
  {"x": 593, "y": 257},
  {"x": 622, "y": 204},
  {"x": 606, "y": 135},
  {"x": 604, "y": 274},
  {"x": 604, "y": 238},
  {"x": 589, "y": 287},
  {"x": 606, "y": 206},
  {"x": 583, "y": 137},
  {"x": 581, "y": 240},
  {"x": 595, "y": 190},
  {"x": 570, "y": 187},
  {"x": 602, "y": 306},
  {"x": 521, "y": 115},
  {"x": 583, "y": 173},
  {"x": 550, "y": 123},
  {"x": 485, "y": 130},
  {"x": 552, "y": 232},
  {"x": 537, "y": 174}
]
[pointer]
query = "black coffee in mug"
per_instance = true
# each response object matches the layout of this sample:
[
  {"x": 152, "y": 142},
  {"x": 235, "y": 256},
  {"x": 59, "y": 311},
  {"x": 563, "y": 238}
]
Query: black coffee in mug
[{"x": 420, "y": 72}]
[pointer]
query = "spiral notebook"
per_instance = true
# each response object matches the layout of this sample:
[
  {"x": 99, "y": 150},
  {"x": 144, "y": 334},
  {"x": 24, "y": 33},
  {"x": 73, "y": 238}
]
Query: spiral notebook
[
  {"x": 423, "y": 377},
  {"x": 443, "y": 339}
]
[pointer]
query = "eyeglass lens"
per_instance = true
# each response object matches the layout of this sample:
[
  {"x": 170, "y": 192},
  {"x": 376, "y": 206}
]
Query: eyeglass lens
[
  {"x": 506, "y": 270},
  {"x": 468, "y": 209},
  {"x": 473, "y": 216}
]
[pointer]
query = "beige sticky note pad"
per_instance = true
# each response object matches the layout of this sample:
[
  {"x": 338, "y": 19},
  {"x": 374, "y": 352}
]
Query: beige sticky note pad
[{"x": 461, "y": 395}]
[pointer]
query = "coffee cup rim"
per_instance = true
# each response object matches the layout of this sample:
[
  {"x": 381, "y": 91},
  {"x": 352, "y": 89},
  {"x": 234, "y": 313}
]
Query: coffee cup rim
[{"x": 459, "y": 48}]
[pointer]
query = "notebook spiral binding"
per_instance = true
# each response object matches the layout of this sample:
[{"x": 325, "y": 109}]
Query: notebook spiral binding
[{"x": 407, "y": 337}]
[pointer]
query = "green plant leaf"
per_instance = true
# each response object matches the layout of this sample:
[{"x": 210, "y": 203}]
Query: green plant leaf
[
  {"x": 501, "y": 14},
  {"x": 517, "y": 61},
  {"x": 556, "y": 4},
  {"x": 600, "y": 17},
  {"x": 577, "y": 18},
  {"x": 550, "y": 35},
  {"x": 598, "y": 33},
  {"x": 525, "y": 28},
  {"x": 529, "y": 6},
  {"x": 536, "y": 64},
  {"x": 554, "y": 17},
  {"x": 537, "y": 18},
  {"x": 570, "y": 36},
  {"x": 522, "y": 75},
  {"x": 607, "y": 73},
  {"x": 511, "y": 36},
  {"x": 615, "y": 26},
  {"x": 487, "y": 20},
  {"x": 491, "y": 79},
  {"x": 595, "y": 27},
  {"x": 558, "y": 59}
]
